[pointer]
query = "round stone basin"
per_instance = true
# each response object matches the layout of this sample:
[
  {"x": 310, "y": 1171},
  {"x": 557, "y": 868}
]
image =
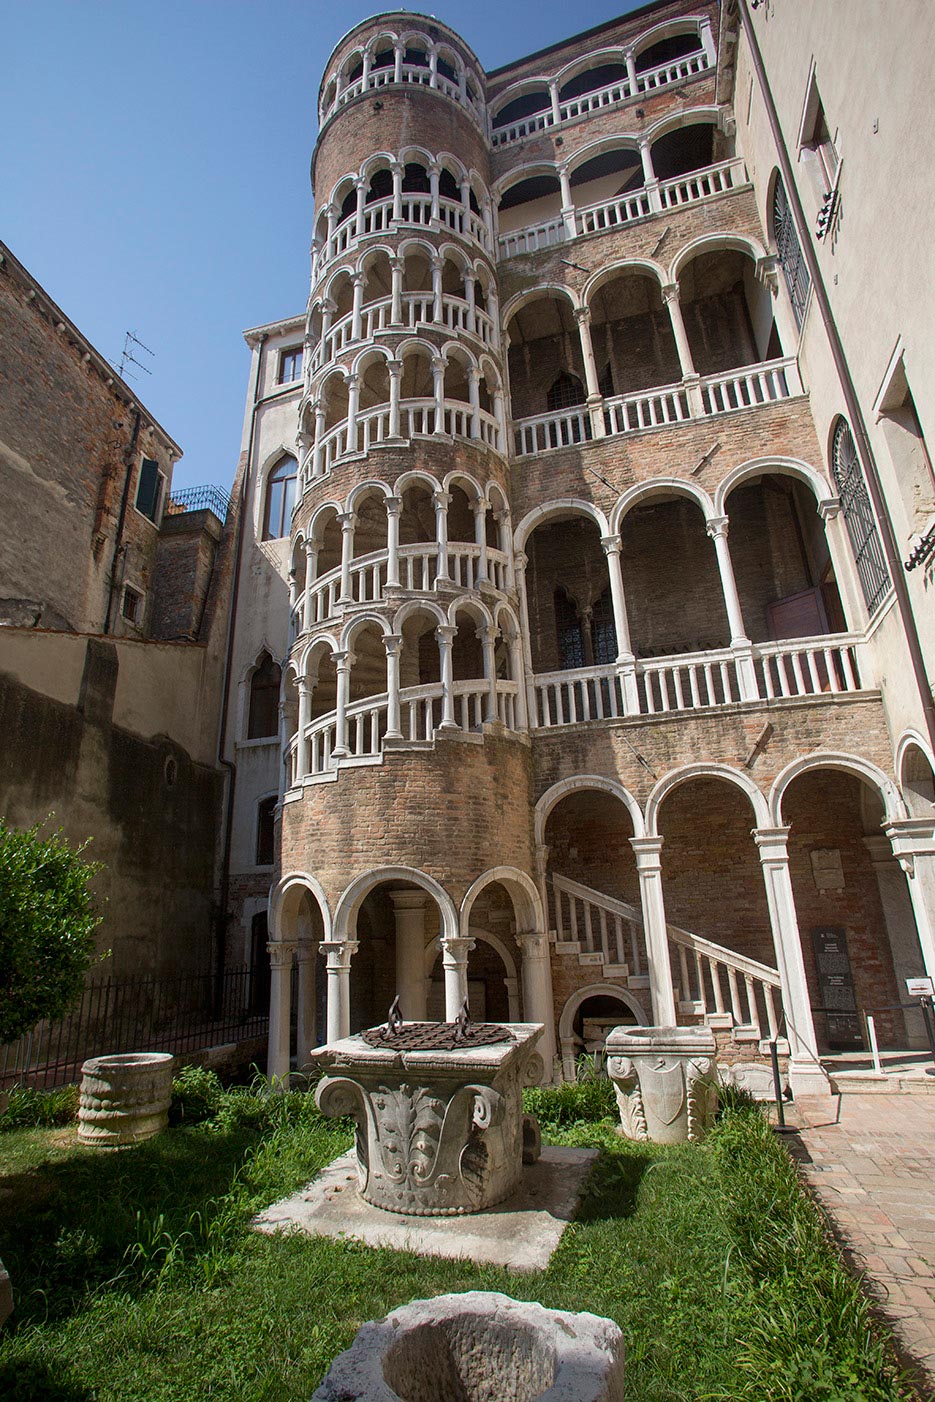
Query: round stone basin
[
  {"x": 479, "y": 1347},
  {"x": 124, "y": 1098}
]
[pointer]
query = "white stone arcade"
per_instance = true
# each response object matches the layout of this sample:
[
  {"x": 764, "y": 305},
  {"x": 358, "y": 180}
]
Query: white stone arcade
[{"x": 439, "y": 1132}]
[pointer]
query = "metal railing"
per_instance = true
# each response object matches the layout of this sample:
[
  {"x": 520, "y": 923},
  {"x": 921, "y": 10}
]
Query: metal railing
[
  {"x": 181, "y": 1013},
  {"x": 199, "y": 499}
]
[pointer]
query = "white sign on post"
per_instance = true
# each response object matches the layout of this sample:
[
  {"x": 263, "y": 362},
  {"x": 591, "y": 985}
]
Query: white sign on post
[{"x": 919, "y": 987}]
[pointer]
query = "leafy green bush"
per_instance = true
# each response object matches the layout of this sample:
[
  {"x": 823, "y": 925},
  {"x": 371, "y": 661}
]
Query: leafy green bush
[
  {"x": 47, "y": 924},
  {"x": 197, "y": 1095},
  {"x": 556, "y": 1107},
  {"x": 40, "y": 1109}
]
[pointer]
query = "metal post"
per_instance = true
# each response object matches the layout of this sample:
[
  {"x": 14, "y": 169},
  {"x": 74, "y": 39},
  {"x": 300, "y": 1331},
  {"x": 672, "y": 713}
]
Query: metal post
[{"x": 777, "y": 1086}]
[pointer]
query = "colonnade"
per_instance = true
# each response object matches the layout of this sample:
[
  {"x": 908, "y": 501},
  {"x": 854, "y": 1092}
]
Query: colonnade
[{"x": 426, "y": 75}]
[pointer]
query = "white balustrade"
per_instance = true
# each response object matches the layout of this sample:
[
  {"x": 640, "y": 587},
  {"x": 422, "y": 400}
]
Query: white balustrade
[
  {"x": 702, "y": 184},
  {"x": 625, "y": 413},
  {"x": 750, "y": 385},
  {"x": 575, "y": 108},
  {"x": 696, "y": 681},
  {"x": 608, "y": 214},
  {"x": 415, "y": 208},
  {"x": 599, "y": 924},
  {"x": 409, "y": 73},
  {"x": 531, "y": 239},
  {"x": 544, "y": 431},
  {"x": 416, "y": 420}
]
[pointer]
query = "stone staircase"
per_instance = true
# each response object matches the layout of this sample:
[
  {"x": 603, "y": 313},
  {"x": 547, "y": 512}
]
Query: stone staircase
[{"x": 729, "y": 992}]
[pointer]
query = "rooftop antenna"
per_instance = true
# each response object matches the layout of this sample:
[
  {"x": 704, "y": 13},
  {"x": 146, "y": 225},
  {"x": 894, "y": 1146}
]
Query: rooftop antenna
[{"x": 130, "y": 343}]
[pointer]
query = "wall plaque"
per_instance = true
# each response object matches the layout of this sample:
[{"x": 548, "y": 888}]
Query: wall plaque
[{"x": 836, "y": 988}]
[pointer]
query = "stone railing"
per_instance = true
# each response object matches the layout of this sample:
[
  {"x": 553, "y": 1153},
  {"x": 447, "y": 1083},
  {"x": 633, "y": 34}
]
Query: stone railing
[
  {"x": 418, "y": 571},
  {"x": 704, "y": 184},
  {"x": 697, "y": 681},
  {"x": 610, "y": 96},
  {"x": 725, "y": 989},
  {"x": 599, "y": 925},
  {"x": 744, "y": 388},
  {"x": 418, "y": 309},
  {"x": 418, "y": 418},
  {"x": 421, "y": 710},
  {"x": 408, "y": 73},
  {"x": 414, "y": 209}
]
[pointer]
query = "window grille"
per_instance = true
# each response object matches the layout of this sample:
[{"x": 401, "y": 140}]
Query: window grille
[
  {"x": 603, "y": 631},
  {"x": 858, "y": 516},
  {"x": 566, "y": 392},
  {"x": 790, "y": 252},
  {"x": 568, "y": 632}
]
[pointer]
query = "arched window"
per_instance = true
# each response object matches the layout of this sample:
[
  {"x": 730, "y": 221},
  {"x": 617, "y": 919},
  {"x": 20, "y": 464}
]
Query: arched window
[
  {"x": 263, "y": 717},
  {"x": 603, "y": 631},
  {"x": 568, "y": 632},
  {"x": 565, "y": 392},
  {"x": 280, "y": 498},
  {"x": 858, "y": 516},
  {"x": 789, "y": 252}
]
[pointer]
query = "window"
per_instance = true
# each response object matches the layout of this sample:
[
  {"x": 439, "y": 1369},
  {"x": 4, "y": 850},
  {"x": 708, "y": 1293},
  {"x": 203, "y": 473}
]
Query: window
[
  {"x": 907, "y": 448},
  {"x": 789, "y": 252},
  {"x": 131, "y": 606},
  {"x": 603, "y": 631},
  {"x": 265, "y": 834},
  {"x": 263, "y": 719},
  {"x": 290, "y": 365},
  {"x": 149, "y": 491},
  {"x": 565, "y": 393},
  {"x": 568, "y": 632},
  {"x": 821, "y": 146},
  {"x": 280, "y": 498},
  {"x": 858, "y": 516}
]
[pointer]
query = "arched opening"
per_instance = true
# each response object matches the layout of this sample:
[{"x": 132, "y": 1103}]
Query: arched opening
[
  {"x": 300, "y": 920},
  {"x": 460, "y": 514},
  {"x": 686, "y": 149},
  {"x": 494, "y": 989},
  {"x": 525, "y": 106},
  {"x": 667, "y": 50},
  {"x": 333, "y": 396},
  {"x": 323, "y": 681},
  {"x": 631, "y": 333},
  {"x": 918, "y": 782},
  {"x": 280, "y": 498},
  {"x": 327, "y": 537},
  {"x": 727, "y": 312},
  {"x": 544, "y": 356},
  {"x": 395, "y": 923},
  {"x": 602, "y": 75},
  {"x": 374, "y": 382},
  {"x": 566, "y": 580},
  {"x": 858, "y": 932},
  {"x": 417, "y": 381},
  {"x": 467, "y": 652},
  {"x": 606, "y": 177},
  {"x": 592, "y": 884},
  {"x": 378, "y": 279},
  {"x": 369, "y": 530},
  {"x": 419, "y": 659},
  {"x": 534, "y": 200},
  {"x": 782, "y": 564},
  {"x": 664, "y": 544},
  {"x": 368, "y": 670},
  {"x": 859, "y": 517},
  {"x": 263, "y": 703},
  {"x": 587, "y": 1018}
]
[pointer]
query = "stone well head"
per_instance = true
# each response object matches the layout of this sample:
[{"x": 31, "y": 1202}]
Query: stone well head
[{"x": 477, "y": 1347}]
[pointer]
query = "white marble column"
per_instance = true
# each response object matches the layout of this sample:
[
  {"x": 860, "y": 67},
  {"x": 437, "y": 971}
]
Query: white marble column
[
  {"x": 353, "y": 399},
  {"x": 397, "y": 271},
  {"x": 595, "y": 398},
  {"x": 913, "y": 842},
  {"x": 338, "y": 954},
  {"x": 648, "y": 852},
  {"x": 455, "y": 951},
  {"x": 396, "y": 171},
  {"x": 740, "y": 645},
  {"x": 805, "y": 1072},
  {"x": 306, "y": 1031},
  {"x": 301, "y": 744},
  {"x": 342, "y": 662},
  {"x": 480, "y": 508},
  {"x": 360, "y": 188},
  {"x": 357, "y": 283},
  {"x": 487, "y": 638},
  {"x": 520, "y": 560},
  {"x": 630, "y": 61},
  {"x": 393, "y": 644},
  {"x": 277, "y": 1060},
  {"x": 554, "y": 102},
  {"x": 433, "y": 192},
  {"x": 626, "y": 662},
  {"x": 444, "y": 634},
  {"x": 394, "y": 369},
  {"x": 393, "y": 507},
  {"x": 438, "y": 391},
  {"x": 538, "y": 1003},
  {"x": 473, "y": 379},
  {"x": 650, "y": 183},
  {"x": 312, "y": 548},
  {"x": 568, "y": 203},
  {"x": 348, "y": 521},
  {"x": 441, "y": 502},
  {"x": 438, "y": 310},
  {"x": 409, "y": 909},
  {"x": 901, "y": 930}
]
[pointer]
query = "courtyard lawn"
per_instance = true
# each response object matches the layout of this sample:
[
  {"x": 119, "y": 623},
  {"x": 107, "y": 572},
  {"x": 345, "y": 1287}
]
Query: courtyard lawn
[{"x": 137, "y": 1279}]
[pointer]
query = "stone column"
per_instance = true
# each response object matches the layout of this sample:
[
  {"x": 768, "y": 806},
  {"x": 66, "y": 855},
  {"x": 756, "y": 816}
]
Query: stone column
[
  {"x": 438, "y": 390},
  {"x": 538, "y": 1004},
  {"x": 343, "y": 662},
  {"x": 650, "y": 183},
  {"x": 487, "y": 638},
  {"x": 740, "y": 644},
  {"x": 845, "y": 570},
  {"x": 353, "y": 398},
  {"x": 630, "y": 61},
  {"x": 595, "y": 398},
  {"x": 398, "y": 52},
  {"x": 319, "y": 435},
  {"x": 438, "y": 310},
  {"x": 445, "y": 633},
  {"x": 433, "y": 191},
  {"x": 277, "y": 1060},
  {"x": 357, "y": 282},
  {"x": 707, "y": 41},
  {"x": 397, "y": 269},
  {"x": 409, "y": 909},
  {"x": 396, "y": 171},
  {"x": 913, "y": 842},
  {"x": 470, "y": 296},
  {"x": 360, "y": 188},
  {"x": 338, "y": 971},
  {"x": 690, "y": 377},
  {"x": 365, "y": 74},
  {"x": 626, "y": 662},
  {"x": 393, "y": 643},
  {"x": 473, "y": 379},
  {"x": 455, "y": 951},
  {"x": 480, "y": 509},
  {"x": 901, "y": 929},
  {"x": 393, "y": 507},
  {"x": 519, "y": 574},
  {"x": 648, "y": 852},
  {"x": 395, "y": 371},
  {"x": 805, "y": 1072},
  {"x": 554, "y": 102},
  {"x": 568, "y": 203},
  {"x": 348, "y": 521},
  {"x": 306, "y": 1031},
  {"x": 441, "y": 501},
  {"x": 301, "y": 745}
]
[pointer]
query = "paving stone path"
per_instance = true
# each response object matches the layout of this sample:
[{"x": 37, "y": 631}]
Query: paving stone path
[{"x": 871, "y": 1161}]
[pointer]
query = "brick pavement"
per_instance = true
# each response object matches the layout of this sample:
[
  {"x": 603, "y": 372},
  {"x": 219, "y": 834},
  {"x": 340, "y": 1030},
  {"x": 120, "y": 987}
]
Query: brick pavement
[{"x": 871, "y": 1161}]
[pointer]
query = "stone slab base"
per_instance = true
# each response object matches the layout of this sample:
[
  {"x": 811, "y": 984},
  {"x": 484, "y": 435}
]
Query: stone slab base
[{"x": 520, "y": 1233}]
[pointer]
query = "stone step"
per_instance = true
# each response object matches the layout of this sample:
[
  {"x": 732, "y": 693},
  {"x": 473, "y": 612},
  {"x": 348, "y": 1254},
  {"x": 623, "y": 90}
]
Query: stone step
[{"x": 869, "y": 1083}]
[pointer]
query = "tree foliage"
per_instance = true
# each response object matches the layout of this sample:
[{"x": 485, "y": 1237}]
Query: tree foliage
[{"x": 47, "y": 924}]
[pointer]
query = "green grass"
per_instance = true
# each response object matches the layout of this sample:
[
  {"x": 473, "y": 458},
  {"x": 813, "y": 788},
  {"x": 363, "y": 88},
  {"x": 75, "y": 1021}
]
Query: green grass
[{"x": 137, "y": 1278}]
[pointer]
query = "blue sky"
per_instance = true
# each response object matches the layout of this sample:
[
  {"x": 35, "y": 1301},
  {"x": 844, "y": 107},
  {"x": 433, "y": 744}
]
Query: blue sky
[{"x": 155, "y": 175}]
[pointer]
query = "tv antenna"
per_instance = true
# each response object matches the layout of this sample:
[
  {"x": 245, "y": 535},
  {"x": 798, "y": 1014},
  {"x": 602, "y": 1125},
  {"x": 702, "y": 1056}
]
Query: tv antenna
[{"x": 132, "y": 342}]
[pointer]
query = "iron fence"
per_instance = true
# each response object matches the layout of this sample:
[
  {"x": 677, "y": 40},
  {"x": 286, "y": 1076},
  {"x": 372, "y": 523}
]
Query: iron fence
[
  {"x": 182, "y": 1013},
  {"x": 199, "y": 499}
]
